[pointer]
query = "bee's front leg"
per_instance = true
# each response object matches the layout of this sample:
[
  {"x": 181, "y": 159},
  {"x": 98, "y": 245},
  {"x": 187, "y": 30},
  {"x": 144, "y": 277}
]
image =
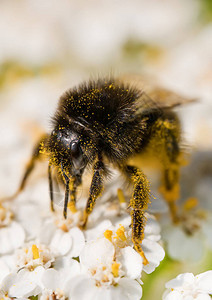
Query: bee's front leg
[
  {"x": 138, "y": 203},
  {"x": 96, "y": 189}
]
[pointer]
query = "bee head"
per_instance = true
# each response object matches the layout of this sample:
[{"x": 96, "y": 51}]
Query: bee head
[{"x": 65, "y": 148}]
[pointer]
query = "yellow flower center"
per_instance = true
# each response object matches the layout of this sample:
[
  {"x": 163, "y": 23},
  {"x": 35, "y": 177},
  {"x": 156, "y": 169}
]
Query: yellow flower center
[
  {"x": 115, "y": 269},
  {"x": 35, "y": 252},
  {"x": 108, "y": 235},
  {"x": 120, "y": 233}
]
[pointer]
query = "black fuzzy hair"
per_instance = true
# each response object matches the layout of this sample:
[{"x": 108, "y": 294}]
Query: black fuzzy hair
[{"x": 100, "y": 102}]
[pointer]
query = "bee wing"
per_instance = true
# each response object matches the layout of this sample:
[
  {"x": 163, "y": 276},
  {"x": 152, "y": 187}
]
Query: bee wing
[
  {"x": 152, "y": 95},
  {"x": 168, "y": 99}
]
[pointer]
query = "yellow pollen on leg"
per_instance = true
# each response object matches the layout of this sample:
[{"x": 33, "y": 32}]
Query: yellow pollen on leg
[
  {"x": 35, "y": 252},
  {"x": 115, "y": 269},
  {"x": 72, "y": 207},
  {"x": 108, "y": 235},
  {"x": 120, "y": 195}
]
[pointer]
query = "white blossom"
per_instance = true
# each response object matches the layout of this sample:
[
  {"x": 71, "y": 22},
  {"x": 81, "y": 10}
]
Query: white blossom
[
  {"x": 62, "y": 235},
  {"x": 121, "y": 235},
  {"x": 55, "y": 280},
  {"x": 187, "y": 287},
  {"x": 22, "y": 284},
  {"x": 103, "y": 275},
  {"x": 33, "y": 255},
  {"x": 189, "y": 240}
]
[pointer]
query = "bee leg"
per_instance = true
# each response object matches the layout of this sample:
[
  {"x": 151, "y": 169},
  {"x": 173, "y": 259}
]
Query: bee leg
[
  {"x": 51, "y": 187},
  {"x": 96, "y": 189},
  {"x": 170, "y": 190},
  {"x": 172, "y": 161},
  {"x": 139, "y": 203},
  {"x": 73, "y": 189},
  {"x": 67, "y": 190},
  {"x": 36, "y": 155}
]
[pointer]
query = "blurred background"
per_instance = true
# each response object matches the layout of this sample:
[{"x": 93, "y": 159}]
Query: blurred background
[{"x": 48, "y": 46}]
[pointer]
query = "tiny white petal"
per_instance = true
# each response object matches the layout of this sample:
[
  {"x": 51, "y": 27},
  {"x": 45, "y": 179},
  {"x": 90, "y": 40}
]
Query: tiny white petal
[
  {"x": 51, "y": 279},
  {"x": 131, "y": 262},
  {"x": 173, "y": 295},
  {"x": 61, "y": 242},
  {"x": 154, "y": 254},
  {"x": 204, "y": 281},
  {"x": 80, "y": 287},
  {"x": 4, "y": 269},
  {"x": 8, "y": 281},
  {"x": 180, "y": 280},
  {"x": 131, "y": 288},
  {"x": 26, "y": 283},
  {"x": 96, "y": 253},
  {"x": 78, "y": 241},
  {"x": 68, "y": 267},
  {"x": 29, "y": 217},
  {"x": 11, "y": 237},
  {"x": 98, "y": 230},
  {"x": 46, "y": 233},
  {"x": 184, "y": 247}
]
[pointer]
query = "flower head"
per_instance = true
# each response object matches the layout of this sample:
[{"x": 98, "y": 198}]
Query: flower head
[
  {"x": 104, "y": 274},
  {"x": 187, "y": 287}
]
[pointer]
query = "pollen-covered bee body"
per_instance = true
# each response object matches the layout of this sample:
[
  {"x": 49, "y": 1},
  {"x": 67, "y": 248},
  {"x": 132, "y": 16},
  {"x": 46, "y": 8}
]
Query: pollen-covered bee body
[
  {"x": 105, "y": 117},
  {"x": 109, "y": 121}
]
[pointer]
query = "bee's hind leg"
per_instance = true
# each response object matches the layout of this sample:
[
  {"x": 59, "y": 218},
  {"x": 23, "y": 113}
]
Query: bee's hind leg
[
  {"x": 172, "y": 159},
  {"x": 36, "y": 155},
  {"x": 139, "y": 203}
]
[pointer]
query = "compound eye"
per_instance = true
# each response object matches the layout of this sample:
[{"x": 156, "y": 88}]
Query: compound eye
[{"x": 75, "y": 149}]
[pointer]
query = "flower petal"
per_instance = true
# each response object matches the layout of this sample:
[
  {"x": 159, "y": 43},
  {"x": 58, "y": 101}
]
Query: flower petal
[
  {"x": 154, "y": 253},
  {"x": 61, "y": 242},
  {"x": 180, "y": 280},
  {"x": 182, "y": 246},
  {"x": 11, "y": 237},
  {"x": 204, "y": 281},
  {"x": 202, "y": 296},
  {"x": 26, "y": 283},
  {"x": 131, "y": 262},
  {"x": 173, "y": 295},
  {"x": 96, "y": 253},
  {"x": 51, "y": 279},
  {"x": 78, "y": 241},
  {"x": 67, "y": 267},
  {"x": 4, "y": 269}
]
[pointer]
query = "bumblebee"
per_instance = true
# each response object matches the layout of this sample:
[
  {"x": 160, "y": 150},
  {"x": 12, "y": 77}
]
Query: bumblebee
[{"x": 107, "y": 122}]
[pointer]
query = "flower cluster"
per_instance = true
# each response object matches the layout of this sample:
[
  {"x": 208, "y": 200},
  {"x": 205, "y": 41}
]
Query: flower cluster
[
  {"x": 187, "y": 286},
  {"x": 60, "y": 260}
]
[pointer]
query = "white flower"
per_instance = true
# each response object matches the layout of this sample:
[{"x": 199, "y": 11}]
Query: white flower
[
  {"x": 33, "y": 255},
  {"x": 187, "y": 287},
  {"x": 188, "y": 240},
  {"x": 62, "y": 236},
  {"x": 182, "y": 246},
  {"x": 4, "y": 268},
  {"x": 121, "y": 236},
  {"x": 12, "y": 234},
  {"x": 54, "y": 280},
  {"x": 22, "y": 284},
  {"x": 103, "y": 274}
]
